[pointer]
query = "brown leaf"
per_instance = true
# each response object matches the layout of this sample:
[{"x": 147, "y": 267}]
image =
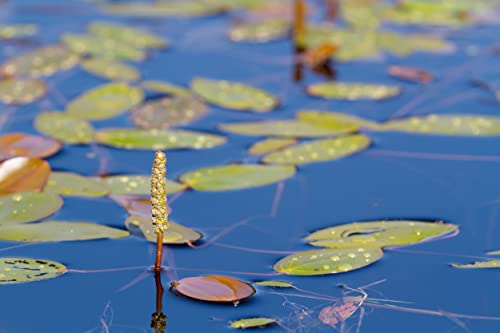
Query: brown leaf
[
  {"x": 20, "y": 144},
  {"x": 413, "y": 74},
  {"x": 214, "y": 288},
  {"x": 135, "y": 205},
  {"x": 23, "y": 174},
  {"x": 337, "y": 313}
]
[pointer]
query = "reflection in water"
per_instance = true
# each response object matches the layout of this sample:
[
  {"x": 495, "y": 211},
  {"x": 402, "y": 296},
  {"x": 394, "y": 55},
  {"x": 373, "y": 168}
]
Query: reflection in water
[
  {"x": 324, "y": 68},
  {"x": 158, "y": 319},
  {"x": 332, "y": 10}
]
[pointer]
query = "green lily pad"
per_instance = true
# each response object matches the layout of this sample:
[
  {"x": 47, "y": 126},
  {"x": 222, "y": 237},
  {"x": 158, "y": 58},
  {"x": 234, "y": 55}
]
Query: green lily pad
[
  {"x": 275, "y": 284},
  {"x": 180, "y": 8},
  {"x": 404, "y": 45},
  {"x": 110, "y": 69},
  {"x": 105, "y": 101},
  {"x": 22, "y": 270},
  {"x": 142, "y": 226},
  {"x": 13, "y": 31},
  {"x": 58, "y": 231},
  {"x": 427, "y": 13},
  {"x": 327, "y": 261},
  {"x": 352, "y": 90},
  {"x": 165, "y": 88},
  {"x": 168, "y": 112},
  {"x": 319, "y": 150},
  {"x": 253, "y": 322},
  {"x": 234, "y": 95},
  {"x": 236, "y": 176},
  {"x": 333, "y": 119},
  {"x": 379, "y": 234},
  {"x": 137, "y": 185},
  {"x": 466, "y": 125},
  {"x": 21, "y": 91},
  {"x": 64, "y": 127},
  {"x": 480, "y": 264},
  {"x": 270, "y": 145},
  {"x": 158, "y": 140},
  {"x": 41, "y": 62},
  {"x": 22, "y": 207},
  {"x": 72, "y": 184},
  {"x": 127, "y": 35},
  {"x": 260, "y": 32}
]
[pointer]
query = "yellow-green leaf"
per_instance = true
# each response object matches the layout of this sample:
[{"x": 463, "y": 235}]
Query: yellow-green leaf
[
  {"x": 270, "y": 145},
  {"x": 142, "y": 226},
  {"x": 21, "y": 91},
  {"x": 253, "y": 322},
  {"x": 13, "y": 31},
  {"x": 334, "y": 119},
  {"x": 137, "y": 185},
  {"x": 165, "y": 88},
  {"x": 110, "y": 69},
  {"x": 480, "y": 264},
  {"x": 260, "y": 31},
  {"x": 275, "y": 284},
  {"x": 64, "y": 127},
  {"x": 22, "y": 207},
  {"x": 72, "y": 184},
  {"x": 179, "y": 8},
  {"x": 352, "y": 90},
  {"x": 22, "y": 270},
  {"x": 127, "y": 35}
]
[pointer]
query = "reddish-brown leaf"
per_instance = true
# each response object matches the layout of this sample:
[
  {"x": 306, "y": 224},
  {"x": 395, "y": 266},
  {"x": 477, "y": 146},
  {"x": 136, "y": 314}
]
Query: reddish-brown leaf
[
  {"x": 135, "y": 205},
  {"x": 337, "y": 313},
  {"x": 20, "y": 144},
  {"x": 23, "y": 174},
  {"x": 410, "y": 74},
  {"x": 214, "y": 288}
]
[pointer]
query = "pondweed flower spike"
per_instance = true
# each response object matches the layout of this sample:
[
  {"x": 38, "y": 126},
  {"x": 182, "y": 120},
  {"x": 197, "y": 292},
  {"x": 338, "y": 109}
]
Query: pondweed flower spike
[{"x": 159, "y": 203}]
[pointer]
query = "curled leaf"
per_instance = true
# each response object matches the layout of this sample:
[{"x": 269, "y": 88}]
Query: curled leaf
[
  {"x": 21, "y": 144},
  {"x": 22, "y": 207},
  {"x": 214, "y": 288},
  {"x": 22, "y": 270},
  {"x": 23, "y": 174},
  {"x": 64, "y": 127}
]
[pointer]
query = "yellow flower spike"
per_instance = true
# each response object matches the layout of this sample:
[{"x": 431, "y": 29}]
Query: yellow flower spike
[{"x": 159, "y": 203}]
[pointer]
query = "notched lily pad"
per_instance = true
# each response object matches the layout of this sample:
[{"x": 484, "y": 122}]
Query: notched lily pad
[
  {"x": 72, "y": 184},
  {"x": 110, "y": 69},
  {"x": 141, "y": 226},
  {"x": 319, "y": 150},
  {"x": 137, "y": 185},
  {"x": 480, "y": 264},
  {"x": 327, "y": 261},
  {"x": 23, "y": 174},
  {"x": 353, "y": 91},
  {"x": 214, "y": 288},
  {"x": 235, "y": 176},
  {"x": 253, "y": 322},
  {"x": 102, "y": 47},
  {"x": 22, "y": 270},
  {"x": 234, "y": 95},
  {"x": 165, "y": 88},
  {"x": 260, "y": 32},
  {"x": 22, "y": 144},
  {"x": 270, "y": 145},
  {"x": 127, "y": 35},
  {"x": 21, "y": 91},
  {"x": 22, "y": 207},
  {"x": 64, "y": 127}
]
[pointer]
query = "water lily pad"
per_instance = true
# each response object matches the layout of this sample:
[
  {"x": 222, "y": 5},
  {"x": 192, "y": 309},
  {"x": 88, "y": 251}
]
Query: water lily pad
[
  {"x": 427, "y": 13},
  {"x": 270, "y": 145},
  {"x": 72, "y": 184},
  {"x": 40, "y": 62},
  {"x": 253, "y": 322},
  {"x": 22, "y": 207},
  {"x": 165, "y": 88},
  {"x": 352, "y": 91},
  {"x": 58, "y": 231},
  {"x": 260, "y": 32},
  {"x": 102, "y": 47},
  {"x": 379, "y": 234},
  {"x": 334, "y": 119},
  {"x": 141, "y": 226},
  {"x": 21, "y": 91},
  {"x": 179, "y": 8},
  {"x": 411, "y": 74},
  {"x": 319, "y": 150},
  {"x": 466, "y": 125},
  {"x": 21, "y": 144},
  {"x": 105, "y": 101},
  {"x": 64, "y": 127},
  {"x": 480, "y": 264},
  {"x": 214, "y": 288},
  {"x": 23, "y": 174},
  {"x": 168, "y": 112},
  {"x": 404, "y": 45},
  {"x": 156, "y": 139},
  {"x": 110, "y": 69},
  {"x": 236, "y": 176},
  {"x": 127, "y": 35},
  {"x": 13, "y": 31},
  {"x": 22, "y": 270},
  {"x": 234, "y": 95},
  {"x": 137, "y": 185},
  {"x": 275, "y": 284}
]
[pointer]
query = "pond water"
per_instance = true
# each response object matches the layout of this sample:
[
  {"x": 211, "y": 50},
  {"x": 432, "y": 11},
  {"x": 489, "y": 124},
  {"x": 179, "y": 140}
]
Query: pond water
[{"x": 401, "y": 176}]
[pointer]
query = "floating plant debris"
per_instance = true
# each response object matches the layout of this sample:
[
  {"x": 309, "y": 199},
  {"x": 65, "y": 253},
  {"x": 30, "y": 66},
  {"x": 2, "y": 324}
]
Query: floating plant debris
[
  {"x": 338, "y": 313},
  {"x": 319, "y": 150},
  {"x": 12, "y": 31},
  {"x": 21, "y": 91},
  {"x": 379, "y": 234},
  {"x": 327, "y": 261},
  {"x": 214, "y": 288},
  {"x": 253, "y": 322},
  {"x": 110, "y": 69},
  {"x": 23, "y": 174},
  {"x": 270, "y": 145},
  {"x": 22, "y": 207},
  {"x": 58, "y": 231},
  {"x": 22, "y": 144},
  {"x": 352, "y": 91},
  {"x": 157, "y": 139},
  {"x": 234, "y": 95},
  {"x": 480, "y": 264},
  {"x": 103, "y": 47},
  {"x": 127, "y": 35},
  {"x": 105, "y": 101},
  {"x": 141, "y": 226},
  {"x": 165, "y": 88},
  {"x": 259, "y": 32},
  {"x": 72, "y": 184},
  {"x": 275, "y": 284},
  {"x": 137, "y": 185},
  {"x": 236, "y": 176},
  {"x": 22, "y": 270},
  {"x": 64, "y": 127},
  {"x": 410, "y": 74}
]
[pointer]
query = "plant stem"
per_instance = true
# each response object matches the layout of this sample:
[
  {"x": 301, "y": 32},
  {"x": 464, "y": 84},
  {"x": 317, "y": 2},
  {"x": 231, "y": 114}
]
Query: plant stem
[
  {"x": 299, "y": 24},
  {"x": 159, "y": 251}
]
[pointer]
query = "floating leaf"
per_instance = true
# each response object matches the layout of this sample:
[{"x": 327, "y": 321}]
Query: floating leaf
[
  {"x": 72, "y": 184},
  {"x": 23, "y": 174},
  {"x": 41, "y": 62},
  {"x": 334, "y": 119},
  {"x": 180, "y": 8},
  {"x": 494, "y": 253},
  {"x": 22, "y": 270},
  {"x": 21, "y": 144},
  {"x": 236, "y": 176},
  {"x": 142, "y": 226},
  {"x": 126, "y": 35},
  {"x": 64, "y": 127},
  {"x": 480, "y": 264},
  {"x": 270, "y": 145},
  {"x": 319, "y": 150},
  {"x": 137, "y": 185},
  {"x": 165, "y": 88},
  {"x": 338, "y": 313},
  {"x": 98, "y": 46},
  {"x": 58, "y": 231},
  {"x": 253, "y": 322},
  {"x": 214, "y": 288},
  {"x": 327, "y": 261},
  {"x": 275, "y": 284},
  {"x": 352, "y": 91},
  {"x": 168, "y": 112},
  {"x": 13, "y": 31},
  {"x": 410, "y": 74},
  {"x": 158, "y": 140},
  {"x": 264, "y": 31},
  {"x": 466, "y": 125},
  {"x": 426, "y": 13},
  {"x": 105, "y": 101},
  {"x": 234, "y": 95},
  {"x": 21, "y": 91},
  {"x": 24, "y": 207},
  {"x": 379, "y": 234},
  {"x": 404, "y": 45},
  {"x": 110, "y": 69}
]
